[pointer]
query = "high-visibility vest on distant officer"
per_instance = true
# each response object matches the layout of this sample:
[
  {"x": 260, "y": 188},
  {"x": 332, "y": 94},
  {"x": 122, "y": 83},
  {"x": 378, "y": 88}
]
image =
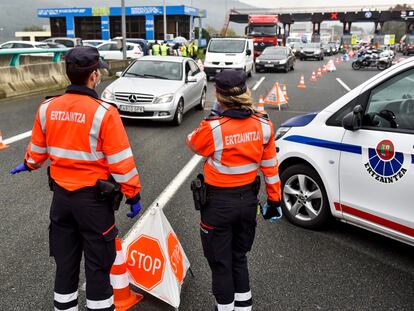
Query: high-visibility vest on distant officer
[
  {"x": 183, "y": 50},
  {"x": 164, "y": 49},
  {"x": 156, "y": 49}
]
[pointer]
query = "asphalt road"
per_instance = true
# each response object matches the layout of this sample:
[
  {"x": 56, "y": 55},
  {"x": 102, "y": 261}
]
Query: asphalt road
[{"x": 339, "y": 268}]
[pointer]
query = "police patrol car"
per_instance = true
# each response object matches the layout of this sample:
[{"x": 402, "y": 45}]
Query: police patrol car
[{"x": 355, "y": 159}]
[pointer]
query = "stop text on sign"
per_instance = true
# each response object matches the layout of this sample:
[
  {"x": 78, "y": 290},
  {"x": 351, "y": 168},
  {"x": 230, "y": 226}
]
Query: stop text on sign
[{"x": 145, "y": 262}]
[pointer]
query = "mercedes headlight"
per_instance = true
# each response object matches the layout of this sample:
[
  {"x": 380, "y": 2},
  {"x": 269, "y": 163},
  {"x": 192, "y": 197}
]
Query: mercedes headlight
[
  {"x": 281, "y": 131},
  {"x": 164, "y": 99},
  {"x": 283, "y": 61},
  {"x": 108, "y": 95}
]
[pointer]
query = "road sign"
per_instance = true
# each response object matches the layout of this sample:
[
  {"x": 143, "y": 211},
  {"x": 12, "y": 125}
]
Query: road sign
[
  {"x": 176, "y": 257},
  {"x": 146, "y": 262}
]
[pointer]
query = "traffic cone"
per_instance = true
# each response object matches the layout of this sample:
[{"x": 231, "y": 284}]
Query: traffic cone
[
  {"x": 301, "y": 84},
  {"x": 319, "y": 73},
  {"x": 337, "y": 61},
  {"x": 2, "y": 145},
  {"x": 285, "y": 92},
  {"x": 260, "y": 105},
  {"x": 124, "y": 297},
  {"x": 331, "y": 66},
  {"x": 324, "y": 70},
  {"x": 313, "y": 78}
]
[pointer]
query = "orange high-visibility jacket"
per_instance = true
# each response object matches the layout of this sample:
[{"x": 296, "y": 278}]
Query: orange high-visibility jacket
[
  {"x": 85, "y": 140},
  {"x": 235, "y": 149}
]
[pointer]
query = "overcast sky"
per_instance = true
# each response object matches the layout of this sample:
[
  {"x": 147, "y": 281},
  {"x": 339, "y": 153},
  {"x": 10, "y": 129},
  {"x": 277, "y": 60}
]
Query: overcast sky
[{"x": 322, "y": 3}]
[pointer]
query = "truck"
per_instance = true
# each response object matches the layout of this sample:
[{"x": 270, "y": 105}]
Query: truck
[{"x": 264, "y": 30}]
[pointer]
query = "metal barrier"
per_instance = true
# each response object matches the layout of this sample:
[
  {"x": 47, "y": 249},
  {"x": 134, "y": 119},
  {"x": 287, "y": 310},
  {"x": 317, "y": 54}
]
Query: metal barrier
[{"x": 16, "y": 53}]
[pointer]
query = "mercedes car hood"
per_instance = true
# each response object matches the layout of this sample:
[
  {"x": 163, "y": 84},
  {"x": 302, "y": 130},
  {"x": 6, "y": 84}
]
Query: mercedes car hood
[{"x": 156, "y": 87}]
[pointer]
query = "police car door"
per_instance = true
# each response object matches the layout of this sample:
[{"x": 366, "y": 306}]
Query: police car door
[{"x": 377, "y": 177}]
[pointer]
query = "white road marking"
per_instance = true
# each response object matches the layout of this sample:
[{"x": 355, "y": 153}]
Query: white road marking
[
  {"x": 346, "y": 87},
  {"x": 168, "y": 192},
  {"x": 256, "y": 86},
  {"x": 13, "y": 139}
]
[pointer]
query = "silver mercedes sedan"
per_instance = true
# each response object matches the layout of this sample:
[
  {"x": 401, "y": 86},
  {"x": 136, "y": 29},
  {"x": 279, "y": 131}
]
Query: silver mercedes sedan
[{"x": 159, "y": 88}]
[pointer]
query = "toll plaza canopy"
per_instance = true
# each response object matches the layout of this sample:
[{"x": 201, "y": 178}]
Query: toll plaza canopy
[{"x": 105, "y": 22}]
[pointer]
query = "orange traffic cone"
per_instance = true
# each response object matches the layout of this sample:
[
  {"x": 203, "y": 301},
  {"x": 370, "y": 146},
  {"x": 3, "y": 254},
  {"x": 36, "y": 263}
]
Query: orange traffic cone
[
  {"x": 2, "y": 145},
  {"x": 285, "y": 92},
  {"x": 324, "y": 70},
  {"x": 260, "y": 105},
  {"x": 337, "y": 61},
  {"x": 301, "y": 84},
  {"x": 313, "y": 78},
  {"x": 124, "y": 297},
  {"x": 319, "y": 73}
]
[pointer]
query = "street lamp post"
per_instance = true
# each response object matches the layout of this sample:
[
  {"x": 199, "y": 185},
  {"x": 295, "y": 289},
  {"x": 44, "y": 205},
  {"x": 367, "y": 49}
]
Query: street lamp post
[
  {"x": 165, "y": 20},
  {"x": 123, "y": 22}
]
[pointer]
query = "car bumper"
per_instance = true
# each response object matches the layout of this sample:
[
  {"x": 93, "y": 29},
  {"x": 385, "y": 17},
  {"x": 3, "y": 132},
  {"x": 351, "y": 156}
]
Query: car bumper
[
  {"x": 306, "y": 56},
  {"x": 260, "y": 66},
  {"x": 213, "y": 70}
]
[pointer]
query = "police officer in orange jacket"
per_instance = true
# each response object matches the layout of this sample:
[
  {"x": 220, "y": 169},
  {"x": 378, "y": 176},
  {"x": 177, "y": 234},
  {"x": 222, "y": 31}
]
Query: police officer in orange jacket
[
  {"x": 90, "y": 159},
  {"x": 237, "y": 142}
]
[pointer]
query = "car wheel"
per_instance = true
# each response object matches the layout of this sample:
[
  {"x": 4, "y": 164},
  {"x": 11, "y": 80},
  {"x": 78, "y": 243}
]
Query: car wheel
[
  {"x": 208, "y": 78},
  {"x": 250, "y": 73},
  {"x": 179, "y": 113},
  {"x": 305, "y": 202},
  {"x": 202, "y": 103}
]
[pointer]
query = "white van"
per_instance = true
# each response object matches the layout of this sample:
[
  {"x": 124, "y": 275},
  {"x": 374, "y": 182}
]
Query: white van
[{"x": 229, "y": 53}]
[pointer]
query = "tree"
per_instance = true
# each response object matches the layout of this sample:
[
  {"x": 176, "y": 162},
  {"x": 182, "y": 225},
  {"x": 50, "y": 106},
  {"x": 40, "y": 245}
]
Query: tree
[
  {"x": 33, "y": 28},
  {"x": 231, "y": 33},
  {"x": 205, "y": 34},
  {"x": 394, "y": 28}
]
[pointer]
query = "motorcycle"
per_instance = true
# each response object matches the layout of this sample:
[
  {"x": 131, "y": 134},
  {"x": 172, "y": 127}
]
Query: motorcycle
[{"x": 371, "y": 59}]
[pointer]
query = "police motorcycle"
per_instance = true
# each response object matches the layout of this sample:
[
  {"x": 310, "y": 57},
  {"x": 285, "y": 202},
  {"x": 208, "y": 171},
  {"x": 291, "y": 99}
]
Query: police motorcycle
[{"x": 371, "y": 59}]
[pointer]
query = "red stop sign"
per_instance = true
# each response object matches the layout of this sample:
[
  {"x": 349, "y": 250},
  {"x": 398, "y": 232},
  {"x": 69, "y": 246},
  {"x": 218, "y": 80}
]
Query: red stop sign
[
  {"x": 145, "y": 262},
  {"x": 176, "y": 257}
]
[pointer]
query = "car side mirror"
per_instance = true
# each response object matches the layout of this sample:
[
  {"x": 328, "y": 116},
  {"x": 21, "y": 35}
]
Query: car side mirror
[
  {"x": 191, "y": 79},
  {"x": 249, "y": 52},
  {"x": 118, "y": 74},
  {"x": 353, "y": 120}
]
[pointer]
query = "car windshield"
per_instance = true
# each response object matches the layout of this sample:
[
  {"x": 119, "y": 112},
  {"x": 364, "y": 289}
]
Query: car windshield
[
  {"x": 226, "y": 46},
  {"x": 313, "y": 45},
  {"x": 270, "y": 30},
  {"x": 278, "y": 53},
  {"x": 153, "y": 69}
]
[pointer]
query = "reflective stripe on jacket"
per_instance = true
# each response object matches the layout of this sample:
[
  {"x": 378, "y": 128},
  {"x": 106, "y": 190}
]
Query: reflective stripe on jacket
[
  {"x": 235, "y": 150},
  {"x": 85, "y": 140}
]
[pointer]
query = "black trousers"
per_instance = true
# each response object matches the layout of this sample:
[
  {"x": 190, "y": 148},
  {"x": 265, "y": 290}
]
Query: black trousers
[
  {"x": 81, "y": 224},
  {"x": 227, "y": 229}
]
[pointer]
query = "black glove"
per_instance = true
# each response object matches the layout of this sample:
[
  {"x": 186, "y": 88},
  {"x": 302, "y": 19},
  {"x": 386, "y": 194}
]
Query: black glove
[{"x": 272, "y": 210}]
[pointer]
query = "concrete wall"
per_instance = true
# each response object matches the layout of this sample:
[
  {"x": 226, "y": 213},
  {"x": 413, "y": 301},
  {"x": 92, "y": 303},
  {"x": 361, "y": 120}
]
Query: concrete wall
[{"x": 40, "y": 77}]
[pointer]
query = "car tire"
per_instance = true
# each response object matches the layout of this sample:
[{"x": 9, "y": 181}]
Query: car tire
[
  {"x": 179, "y": 113},
  {"x": 208, "y": 78},
  {"x": 202, "y": 103},
  {"x": 250, "y": 73},
  {"x": 298, "y": 181}
]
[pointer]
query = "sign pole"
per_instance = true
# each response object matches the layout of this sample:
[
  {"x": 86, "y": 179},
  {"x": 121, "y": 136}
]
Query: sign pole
[
  {"x": 123, "y": 21},
  {"x": 165, "y": 20}
]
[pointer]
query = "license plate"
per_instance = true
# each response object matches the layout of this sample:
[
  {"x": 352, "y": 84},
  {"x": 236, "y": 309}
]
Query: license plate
[
  {"x": 131, "y": 108},
  {"x": 269, "y": 65}
]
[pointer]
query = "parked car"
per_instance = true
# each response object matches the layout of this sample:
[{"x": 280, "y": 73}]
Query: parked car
[
  {"x": 142, "y": 42},
  {"x": 160, "y": 88},
  {"x": 23, "y": 45},
  {"x": 278, "y": 57},
  {"x": 55, "y": 45},
  {"x": 354, "y": 160},
  {"x": 229, "y": 53},
  {"x": 312, "y": 50},
  {"x": 111, "y": 50},
  {"x": 93, "y": 43},
  {"x": 68, "y": 42}
]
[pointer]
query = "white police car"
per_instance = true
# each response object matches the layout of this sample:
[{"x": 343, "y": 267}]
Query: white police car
[{"x": 355, "y": 159}]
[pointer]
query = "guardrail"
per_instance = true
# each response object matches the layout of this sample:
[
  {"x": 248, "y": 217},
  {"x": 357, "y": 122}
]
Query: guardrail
[
  {"x": 16, "y": 53},
  {"x": 310, "y": 10}
]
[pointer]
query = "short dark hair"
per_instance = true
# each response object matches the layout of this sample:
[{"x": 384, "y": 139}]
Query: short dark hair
[{"x": 77, "y": 77}]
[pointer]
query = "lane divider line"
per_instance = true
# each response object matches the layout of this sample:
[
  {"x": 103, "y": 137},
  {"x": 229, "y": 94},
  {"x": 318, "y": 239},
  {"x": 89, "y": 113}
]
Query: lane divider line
[
  {"x": 256, "y": 86},
  {"x": 16, "y": 138},
  {"x": 346, "y": 87}
]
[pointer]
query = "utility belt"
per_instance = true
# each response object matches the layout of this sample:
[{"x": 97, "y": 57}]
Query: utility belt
[
  {"x": 105, "y": 190},
  {"x": 200, "y": 190}
]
